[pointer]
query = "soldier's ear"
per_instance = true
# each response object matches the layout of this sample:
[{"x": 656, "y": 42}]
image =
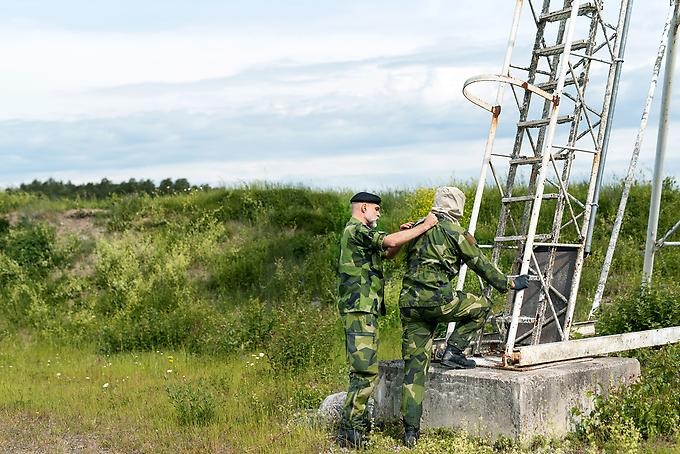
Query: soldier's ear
[{"x": 364, "y": 207}]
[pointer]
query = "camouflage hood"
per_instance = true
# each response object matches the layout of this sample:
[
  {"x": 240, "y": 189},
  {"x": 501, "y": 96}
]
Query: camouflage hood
[{"x": 450, "y": 202}]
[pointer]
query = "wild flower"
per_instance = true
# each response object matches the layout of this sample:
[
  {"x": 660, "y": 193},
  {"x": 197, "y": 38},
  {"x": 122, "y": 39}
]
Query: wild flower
[{"x": 105, "y": 385}]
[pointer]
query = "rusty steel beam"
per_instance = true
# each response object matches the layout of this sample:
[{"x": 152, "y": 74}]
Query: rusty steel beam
[{"x": 593, "y": 346}]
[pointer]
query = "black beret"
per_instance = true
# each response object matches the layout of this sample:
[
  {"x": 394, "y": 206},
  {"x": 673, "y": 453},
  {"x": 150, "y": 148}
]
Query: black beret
[{"x": 366, "y": 197}]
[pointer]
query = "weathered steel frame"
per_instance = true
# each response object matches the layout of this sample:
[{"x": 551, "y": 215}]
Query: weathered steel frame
[
  {"x": 630, "y": 175},
  {"x": 651, "y": 244},
  {"x": 530, "y": 355},
  {"x": 542, "y": 147}
]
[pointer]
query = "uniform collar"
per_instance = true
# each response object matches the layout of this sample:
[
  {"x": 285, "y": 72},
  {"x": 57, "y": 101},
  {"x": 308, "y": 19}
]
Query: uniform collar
[{"x": 354, "y": 220}]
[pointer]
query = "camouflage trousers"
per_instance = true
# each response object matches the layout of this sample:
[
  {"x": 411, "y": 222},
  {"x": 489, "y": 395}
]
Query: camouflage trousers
[
  {"x": 467, "y": 310},
  {"x": 361, "y": 340}
]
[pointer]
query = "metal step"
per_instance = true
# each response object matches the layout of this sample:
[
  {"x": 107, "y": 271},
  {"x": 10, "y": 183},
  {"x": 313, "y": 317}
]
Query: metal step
[
  {"x": 527, "y": 198},
  {"x": 521, "y": 319},
  {"x": 544, "y": 122},
  {"x": 531, "y": 160},
  {"x": 550, "y": 86},
  {"x": 562, "y": 14},
  {"x": 506, "y": 239},
  {"x": 558, "y": 49}
]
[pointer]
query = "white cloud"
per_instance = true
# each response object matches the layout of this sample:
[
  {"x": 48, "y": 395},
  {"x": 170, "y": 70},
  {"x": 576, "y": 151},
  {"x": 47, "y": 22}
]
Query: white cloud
[{"x": 249, "y": 94}]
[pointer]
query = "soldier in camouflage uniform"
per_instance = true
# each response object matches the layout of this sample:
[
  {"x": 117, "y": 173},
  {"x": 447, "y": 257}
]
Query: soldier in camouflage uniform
[
  {"x": 360, "y": 302},
  {"x": 428, "y": 297}
]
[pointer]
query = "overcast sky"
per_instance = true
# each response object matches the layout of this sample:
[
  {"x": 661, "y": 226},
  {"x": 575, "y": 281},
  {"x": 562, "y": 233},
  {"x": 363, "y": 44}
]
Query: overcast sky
[{"x": 342, "y": 94}]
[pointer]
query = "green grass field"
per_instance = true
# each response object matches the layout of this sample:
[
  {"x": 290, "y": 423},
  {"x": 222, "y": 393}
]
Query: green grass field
[{"x": 206, "y": 322}]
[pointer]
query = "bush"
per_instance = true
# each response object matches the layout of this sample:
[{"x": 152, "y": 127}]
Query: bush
[
  {"x": 270, "y": 265},
  {"x": 651, "y": 407},
  {"x": 255, "y": 325},
  {"x": 145, "y": 300},
  {"x": 649, "y": 308},
  {"x": 194, "y": 403},
  {"x": 302, "y": 337},
  {"x": 18, "y": 292},
  {"x": 32, "y": 247}
]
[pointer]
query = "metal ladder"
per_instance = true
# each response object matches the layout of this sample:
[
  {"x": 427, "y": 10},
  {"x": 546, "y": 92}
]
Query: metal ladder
[{"x": 574, "y": 46}]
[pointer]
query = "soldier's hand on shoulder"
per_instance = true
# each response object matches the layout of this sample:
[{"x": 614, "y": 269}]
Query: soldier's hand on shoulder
[{"x": 431, "y": 220}]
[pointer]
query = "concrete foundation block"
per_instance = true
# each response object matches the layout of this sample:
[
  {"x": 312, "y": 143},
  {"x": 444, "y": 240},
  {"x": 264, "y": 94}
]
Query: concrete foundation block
[{"x": 491, "y": 402}]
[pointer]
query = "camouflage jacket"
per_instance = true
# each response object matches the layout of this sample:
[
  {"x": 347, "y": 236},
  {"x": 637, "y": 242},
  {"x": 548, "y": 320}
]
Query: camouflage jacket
[
  {"x": 433, "y": 260},
  {"x": 360, "y": 269}
]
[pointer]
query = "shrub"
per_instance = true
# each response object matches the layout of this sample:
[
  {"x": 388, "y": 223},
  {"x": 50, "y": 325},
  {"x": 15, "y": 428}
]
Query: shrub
[
  {"x": 194, "y": 403},
  {"x": 651, "y": 407},
  {"x": 649, "y": 308},
  {"x": 124, "y": 210},
  {"x": 270, "y": 265},
  {"x": 18, "y": 292},
  {"x": 255, "y": 325},
  {"x": 145, "y": 300},
  {"x": 31, "y": 246},
  {"x": 302, "y": 337}
]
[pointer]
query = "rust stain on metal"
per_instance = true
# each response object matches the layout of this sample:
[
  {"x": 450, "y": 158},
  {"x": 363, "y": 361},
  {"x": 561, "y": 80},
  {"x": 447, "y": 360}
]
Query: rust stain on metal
[
  {"x": 556, "y": 100},
  {"x": 509, "y": 360},
  {"x": 496, "y": 111}
]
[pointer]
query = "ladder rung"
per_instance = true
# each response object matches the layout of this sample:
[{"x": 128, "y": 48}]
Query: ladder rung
[
  {"x": 505, "y": 239},
  {"x": 527, "y": 198},
  {"x": 568, "y": 147},
  {"x": 550, "y": 86},
  {"x": 523, "y": 160},
  {"x": 520, "y": 319},
  {"x": 560, "y": 245},
  {"x": 558, "y": 49},
  {"x": 566, "y": 12},
  {"x": 544, "y": 122},
  {"x": 590, "y": 57}
]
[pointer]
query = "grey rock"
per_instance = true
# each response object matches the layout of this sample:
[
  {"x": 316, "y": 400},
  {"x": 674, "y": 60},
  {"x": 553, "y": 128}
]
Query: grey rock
[{"x": 330, "y": 409}]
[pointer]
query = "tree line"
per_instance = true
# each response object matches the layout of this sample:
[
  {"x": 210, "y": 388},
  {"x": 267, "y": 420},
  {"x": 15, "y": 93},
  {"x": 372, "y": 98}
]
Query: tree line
[{"x": 105, "y": 188}]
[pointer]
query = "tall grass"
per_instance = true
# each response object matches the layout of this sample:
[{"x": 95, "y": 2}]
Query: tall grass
[{"x": 238, "y": 286}]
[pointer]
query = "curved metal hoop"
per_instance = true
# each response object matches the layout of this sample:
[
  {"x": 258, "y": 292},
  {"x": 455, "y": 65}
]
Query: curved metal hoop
[{"x": 504, "y": 79}]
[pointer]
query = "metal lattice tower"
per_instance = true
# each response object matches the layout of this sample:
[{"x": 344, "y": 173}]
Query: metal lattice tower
[{"x": 564, "y": 101}]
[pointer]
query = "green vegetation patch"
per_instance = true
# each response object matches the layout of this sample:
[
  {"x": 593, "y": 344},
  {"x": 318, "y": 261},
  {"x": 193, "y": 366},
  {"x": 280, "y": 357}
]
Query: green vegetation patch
[{"x": 238, "y": 287}]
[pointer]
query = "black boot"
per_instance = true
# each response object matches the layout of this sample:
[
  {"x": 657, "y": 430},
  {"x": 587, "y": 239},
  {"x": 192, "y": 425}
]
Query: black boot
[
  {"x": 351, "y": 438},
  {"x": 411, "y": 435},
  {"x": 455, "y": 359}
]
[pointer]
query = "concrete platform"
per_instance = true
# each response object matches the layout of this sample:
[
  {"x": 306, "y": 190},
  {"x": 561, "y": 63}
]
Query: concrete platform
[{"x": 496, "y": 402}]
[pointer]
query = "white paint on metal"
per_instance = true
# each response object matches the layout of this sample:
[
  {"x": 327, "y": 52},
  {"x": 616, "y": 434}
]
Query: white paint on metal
[
  {"x": 488, "y": 149},
  {"x": 612, "y": 88},
  {"x": 630, "y": 176},
  {"x": 503, "y": 79},
  {"x": 593, "y": 346},
  {"x": 540, "y": 182},
  {"x": 662, "y": 242},
  {"x": 657, "y": 180}
]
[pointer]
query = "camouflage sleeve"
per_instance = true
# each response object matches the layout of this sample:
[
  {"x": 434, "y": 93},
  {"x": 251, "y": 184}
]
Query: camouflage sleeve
[
  {"x": 370, "y": 238},
  {"x": 474, "y": 258}
]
